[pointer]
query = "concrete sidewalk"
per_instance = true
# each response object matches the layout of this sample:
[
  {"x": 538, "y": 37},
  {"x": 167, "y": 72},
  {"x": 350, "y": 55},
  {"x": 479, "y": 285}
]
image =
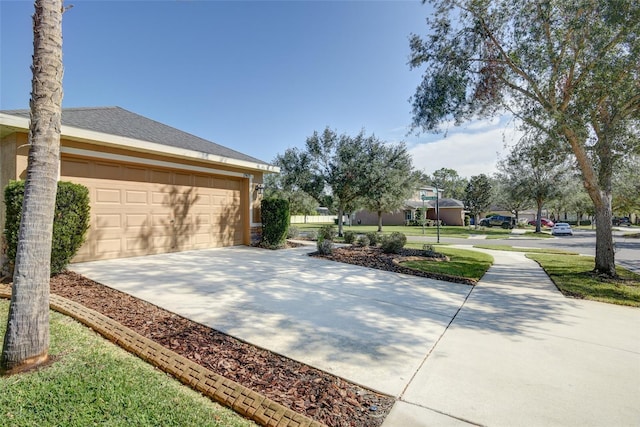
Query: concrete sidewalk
[{"x": 520, "y": 353}]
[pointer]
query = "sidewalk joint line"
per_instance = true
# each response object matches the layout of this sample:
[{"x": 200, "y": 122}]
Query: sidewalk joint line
[{"x": 424, "y": 360}]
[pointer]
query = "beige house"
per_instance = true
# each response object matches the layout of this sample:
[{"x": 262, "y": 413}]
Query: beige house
[
  {"x": 153, "y": 188},
  {"x": 451, "y": 211}
]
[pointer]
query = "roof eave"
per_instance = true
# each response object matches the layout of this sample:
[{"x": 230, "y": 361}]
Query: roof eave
[{"x": 110, "y": 140}]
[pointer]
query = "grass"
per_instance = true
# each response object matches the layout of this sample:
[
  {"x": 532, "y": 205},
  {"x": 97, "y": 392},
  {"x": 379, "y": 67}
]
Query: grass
[
  {"x": 573, "y": 276},
  {"x": 527, "y": 250},
  {"x": 94, "y": 382},
  {"x": 463, "y": 263}
]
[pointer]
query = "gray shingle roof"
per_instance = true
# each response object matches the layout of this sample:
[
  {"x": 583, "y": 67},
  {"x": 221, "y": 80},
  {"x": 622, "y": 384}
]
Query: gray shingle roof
[
  {"x": 118, "y": 121},
  {"x": 443, "y": 203}
]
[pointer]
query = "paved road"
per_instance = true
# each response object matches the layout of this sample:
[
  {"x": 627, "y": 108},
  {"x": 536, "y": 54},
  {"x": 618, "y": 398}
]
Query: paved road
[{"x": 583, "y": 242}]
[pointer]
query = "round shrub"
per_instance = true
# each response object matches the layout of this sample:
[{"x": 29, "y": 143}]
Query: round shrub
[
  {"x": 373, "y": 237},
  {"x": 363, "y": 241},
  {"x": 325, "y": 246},
  {"x": 327, "y": 232},
  {"x": 70, "y": 223},
  {"x": 293, "y": 232},
  {"x": 393, "y": 243},
  {"x": 349, "y": 237}
]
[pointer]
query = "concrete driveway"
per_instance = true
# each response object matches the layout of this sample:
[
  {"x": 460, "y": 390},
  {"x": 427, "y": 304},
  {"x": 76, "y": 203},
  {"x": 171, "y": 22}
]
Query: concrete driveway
[
  {"x": 512, "y": 351},
  {"x": 368, "y": 326}
]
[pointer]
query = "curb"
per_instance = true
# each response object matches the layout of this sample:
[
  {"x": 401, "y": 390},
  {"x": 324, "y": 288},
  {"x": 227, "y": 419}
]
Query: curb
[{"x": 241, "y": 399}]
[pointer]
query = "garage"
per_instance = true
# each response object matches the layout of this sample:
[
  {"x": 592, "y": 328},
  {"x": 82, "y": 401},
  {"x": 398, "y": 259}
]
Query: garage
[
  {"x": 152, "y": 188},
  {"x": 138, "y": 210}
]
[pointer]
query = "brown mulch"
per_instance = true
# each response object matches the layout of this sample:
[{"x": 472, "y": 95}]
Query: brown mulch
[
  {"x": 373, "y": 257},
  {"x": 317, "y": 394}
]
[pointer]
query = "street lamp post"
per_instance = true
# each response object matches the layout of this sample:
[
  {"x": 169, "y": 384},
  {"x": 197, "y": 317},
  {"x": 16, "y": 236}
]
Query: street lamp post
[
  {"x": 423, "y": 196},
  {"x": 438, "y": 212}
]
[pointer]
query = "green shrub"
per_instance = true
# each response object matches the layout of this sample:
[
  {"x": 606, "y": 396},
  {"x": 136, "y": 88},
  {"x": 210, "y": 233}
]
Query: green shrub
[
  {"x": 363, "y": 241},
  {"x": 467, "y": 220},
  {"x": 374, "y": 238},
  {"x": 327, "y": 232},
  {"x": 293, "y": 232},
  {"x": 349, "y": 236},
  {"x": 325, "y": 246},
  {"x": 275, "y": 222},
  {"x": 311, "y": 234},
  {"x": 393, "y": 243},
  {"x": 70, "y": 223}
]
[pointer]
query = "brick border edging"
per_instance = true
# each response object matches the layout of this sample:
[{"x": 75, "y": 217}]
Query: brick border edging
[{"x": 241, "y": 399}]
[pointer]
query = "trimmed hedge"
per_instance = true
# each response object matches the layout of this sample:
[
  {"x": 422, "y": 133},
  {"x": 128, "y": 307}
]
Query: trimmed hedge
[
  {"x": 70, "y": 223},
  {"x": 275, "y": 222}
]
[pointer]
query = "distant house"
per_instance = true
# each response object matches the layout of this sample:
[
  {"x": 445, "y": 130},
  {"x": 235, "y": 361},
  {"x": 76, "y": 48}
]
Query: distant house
[
  {"x": 153, "y": 188},
  {"x": 451, "y": 210}
]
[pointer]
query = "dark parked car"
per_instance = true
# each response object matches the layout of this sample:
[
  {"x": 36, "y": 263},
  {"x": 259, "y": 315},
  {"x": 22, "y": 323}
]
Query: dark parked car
[
  {"x": 621, "y": 221},
  {"x": 544, "y": 222},
  {"x": 498, "y": 221}
]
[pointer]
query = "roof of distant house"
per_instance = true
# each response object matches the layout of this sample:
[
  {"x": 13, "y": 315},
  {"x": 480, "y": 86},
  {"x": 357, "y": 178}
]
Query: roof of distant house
[
  {"x": 442, "y": 203},
  {"x": 121, "y": 122}
]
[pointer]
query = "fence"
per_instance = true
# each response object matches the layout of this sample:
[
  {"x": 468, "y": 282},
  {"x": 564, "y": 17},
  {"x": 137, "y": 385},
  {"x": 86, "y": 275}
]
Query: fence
[{"x": 313, "y": 219}]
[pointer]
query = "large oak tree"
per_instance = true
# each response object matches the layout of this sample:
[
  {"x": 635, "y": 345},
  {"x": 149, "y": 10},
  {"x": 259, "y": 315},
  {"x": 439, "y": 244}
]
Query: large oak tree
[
  {"x": 26, "y": 341},
  {"x": 568, "y": 68}
]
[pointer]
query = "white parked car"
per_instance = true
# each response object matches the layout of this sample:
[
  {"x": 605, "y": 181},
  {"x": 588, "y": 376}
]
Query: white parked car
[{"x": 561, "y": 228}]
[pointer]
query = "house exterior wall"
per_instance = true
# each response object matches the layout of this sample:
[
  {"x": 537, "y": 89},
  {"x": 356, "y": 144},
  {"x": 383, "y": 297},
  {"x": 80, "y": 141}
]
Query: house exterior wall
[
  {"x": 449, "y": 216},
  {"x": 371, "y": 218}
]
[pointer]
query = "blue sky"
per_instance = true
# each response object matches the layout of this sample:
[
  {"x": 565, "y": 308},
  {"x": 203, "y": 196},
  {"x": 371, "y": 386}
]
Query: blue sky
[{"x": 257, "y": 76}]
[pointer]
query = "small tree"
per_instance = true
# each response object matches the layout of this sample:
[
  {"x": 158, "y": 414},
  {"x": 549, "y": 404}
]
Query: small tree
[
  {"x": 392, "y": 179},
  {"x": 477, "y": 196},
  {"x": 509, "y": 194},
  {"x": 448, "y": 180},
  {"x": 536, "y": 173}
]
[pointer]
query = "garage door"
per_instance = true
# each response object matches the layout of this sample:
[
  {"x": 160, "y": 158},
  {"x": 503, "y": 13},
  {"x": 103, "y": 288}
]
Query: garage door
[{"x": 139, "y": 210}]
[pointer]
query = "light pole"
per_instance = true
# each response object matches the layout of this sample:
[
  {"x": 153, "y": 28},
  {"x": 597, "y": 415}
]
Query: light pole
[
  {"x": 438, "y": 212},
  {"x": 423, "y": 196}
]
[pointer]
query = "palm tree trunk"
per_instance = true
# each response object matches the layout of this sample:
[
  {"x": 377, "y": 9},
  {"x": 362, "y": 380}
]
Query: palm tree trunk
[{"x": 26, "y": 342}]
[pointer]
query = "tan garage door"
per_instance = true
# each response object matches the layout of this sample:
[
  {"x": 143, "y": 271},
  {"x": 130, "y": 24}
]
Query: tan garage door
[{"x": 137, "y": 210}]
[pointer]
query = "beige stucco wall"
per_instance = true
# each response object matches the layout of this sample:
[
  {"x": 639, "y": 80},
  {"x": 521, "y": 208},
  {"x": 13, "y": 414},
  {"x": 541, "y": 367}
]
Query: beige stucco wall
[
  {"x": 449, "y": 216},
  {"x": 371, "y": 218}
]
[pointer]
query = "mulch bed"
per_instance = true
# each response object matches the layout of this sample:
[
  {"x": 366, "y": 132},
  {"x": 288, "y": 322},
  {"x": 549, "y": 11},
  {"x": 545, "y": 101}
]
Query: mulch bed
[
  {"x": 306, "y": 390},
  {"x": 373, "y": 257}
]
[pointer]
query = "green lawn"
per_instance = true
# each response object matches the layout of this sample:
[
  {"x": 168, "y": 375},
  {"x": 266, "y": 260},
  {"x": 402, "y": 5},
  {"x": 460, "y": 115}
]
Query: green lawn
[
  {"x": 463, "y": 263},
  {"x": 572, "y": 275},
  {"x": 527, "y": 250},
  {"x": 94, "y": 382}
]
